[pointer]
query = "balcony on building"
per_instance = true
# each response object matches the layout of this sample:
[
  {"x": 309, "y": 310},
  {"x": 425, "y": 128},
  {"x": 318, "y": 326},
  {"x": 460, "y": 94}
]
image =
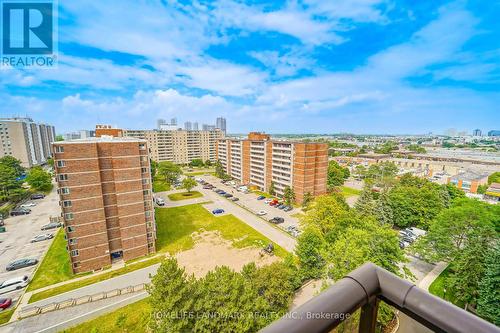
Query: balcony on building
[{"x": 363, "y": 289}]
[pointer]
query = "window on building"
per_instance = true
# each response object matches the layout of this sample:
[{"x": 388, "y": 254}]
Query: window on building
[
  {"x": 63, "y": 177},
  {"x": 145, "y": 181},
  {"x": 74, "y": 253},
  {"x": 72, "y": 241},
  {"x": 144, "y": 170},
  {"x": 142, "y": 146},
  {"x": 147, "y": 213},
  {"x": 68, "y": 216},
  {"x": 59, "y": 149},
  {"x": 65, "y": 190},
  {"x": 76, "y": 264},
  {"x": 144, "y": 158},
  {"x": 60, "y": 164},
  {"x": 145, "y": 192},
  {"x": 70, "y": 229},
  {"x": 67, "y": 203}
]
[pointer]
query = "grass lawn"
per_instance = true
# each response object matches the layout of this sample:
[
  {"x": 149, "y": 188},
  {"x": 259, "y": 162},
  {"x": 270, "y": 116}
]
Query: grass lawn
[
  {"x": 198, "y": 173},
  {"x": 94, "y": 279},
  {"x": 175, "y": 226},
  {"x": 349, "y": 191},
  {"x": 160, "y": 185},
  {"x": 297, "y": 215},
  {"x": 437, "y": 288},
  {"x": 5, "y": 315},
  {"x": 131, "y": 318},
  {"x": 55, "y": 267},
  {"x": 184, "y": 195}
]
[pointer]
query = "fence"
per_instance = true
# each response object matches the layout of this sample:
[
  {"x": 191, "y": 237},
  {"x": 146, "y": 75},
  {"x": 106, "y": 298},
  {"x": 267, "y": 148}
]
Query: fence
[{"x": 36, "y": 310}]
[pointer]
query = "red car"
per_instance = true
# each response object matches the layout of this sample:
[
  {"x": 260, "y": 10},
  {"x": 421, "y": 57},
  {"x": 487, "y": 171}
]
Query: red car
[
  {"x": 5, "y": 303},
  {"x": 273, "y": 203}
]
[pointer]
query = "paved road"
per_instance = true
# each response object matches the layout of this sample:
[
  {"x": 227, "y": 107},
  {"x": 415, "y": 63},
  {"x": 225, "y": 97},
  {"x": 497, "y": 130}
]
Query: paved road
[{"x": 15, "y": 243}]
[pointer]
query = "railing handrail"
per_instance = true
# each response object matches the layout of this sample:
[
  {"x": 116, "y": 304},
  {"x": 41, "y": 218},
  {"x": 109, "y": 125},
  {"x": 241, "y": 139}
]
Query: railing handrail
[{"x": 363, "y": 288}]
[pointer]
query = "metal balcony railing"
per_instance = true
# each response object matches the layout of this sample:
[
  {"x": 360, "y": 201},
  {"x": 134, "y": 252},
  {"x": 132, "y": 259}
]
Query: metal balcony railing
[{"x": 364, "y": 288}]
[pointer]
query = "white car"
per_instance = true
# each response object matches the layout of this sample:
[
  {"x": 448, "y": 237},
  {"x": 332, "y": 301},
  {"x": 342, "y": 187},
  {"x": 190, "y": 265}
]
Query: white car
[
  {"x": 261, "y": 213},
  {"x": 268, "y": 200},
  {"x": 14, "y": 284},
  {"x": 160, "y": 201},
  {"x": 39, "y": 238},
  {"x": 28, "y": 205}
]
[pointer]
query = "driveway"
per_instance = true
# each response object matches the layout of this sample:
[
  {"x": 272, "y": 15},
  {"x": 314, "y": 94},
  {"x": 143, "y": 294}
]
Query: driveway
[{"x": 15, "y": 243}]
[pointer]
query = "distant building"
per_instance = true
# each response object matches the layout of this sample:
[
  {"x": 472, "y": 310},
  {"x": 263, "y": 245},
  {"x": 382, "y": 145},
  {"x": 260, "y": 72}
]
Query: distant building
[
  {"x": 195, "y": 126},
  {"x": 221, "y": 124},
  {"x": 106, "y": 200},
  {"x": 476, "y": 132},
  {"x": 107, "y": 130},
  {"x": 260, "y": 161},
  {"x": 469, "y": 181},
  {"x": 160, "y": 123},
  {"x": 493, "y": 192},
  {"x": 82, "y": 134},
  {"x": 26, "y": 140},
  {"x": 188, "y": 126},
  {"x": 179, "y": 146},
  {"x": 173, "y": 121},
  {"x": 206, "y": 127},
  {"x": 494, "y": 133}
]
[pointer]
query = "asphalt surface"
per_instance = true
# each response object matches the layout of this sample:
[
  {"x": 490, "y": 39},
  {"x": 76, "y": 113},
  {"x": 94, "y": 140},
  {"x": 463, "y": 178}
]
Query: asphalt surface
[{"x": 15, "y": 242}]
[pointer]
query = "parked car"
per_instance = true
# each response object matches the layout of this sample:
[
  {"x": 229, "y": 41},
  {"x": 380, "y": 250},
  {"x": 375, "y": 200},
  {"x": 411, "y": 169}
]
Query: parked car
[
  {"x": 52, "y": 225},
  {"x": 13, "y": 284},
  {"x": 268, "y": 200},
  {"x": 288, "y": 208},
  {"x": 282, "y": 206},
  {"x": 42, "y": 237},
  {"x": 218, "y": 211},
  {"x": 228, "y": 195},
  {"x": 215, "y": 189},
  {"x": 277, "y": 220},
  {"x": 28, "y": 205},
  {"x": 261, "y": 197},
  {"x": 207, "y": 187},
  {"x": 221, "y": 192},
  {"x": 234, "y": 199},
  {"x": 160, "y": 201},
  {"x": 261, "y": 213},
  {"x": 37, "y": 196},
  {"x": 274, "y": 202},
  {"x": 5, "y": 303},
  {"x": 21, "y": 263},
  {"x": 20, "y": 211}
]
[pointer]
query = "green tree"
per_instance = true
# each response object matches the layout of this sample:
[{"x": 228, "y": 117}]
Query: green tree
[
  {"x": 360, "y": 171},
  {"x": 326, "y": 213},
  {"x": 59, "y": 137},
  {"x": 39, "y": 179},
  {"x": 456, "y": 228},
  {"x": 169, "y": 171},
  {"x": 13, "y": 163},
  {"x": 481, "y": 189},
  {"x": 220, "y": 172},
  {"x": 454, "y": 192},
  {"x": 272, "y": 191},
  {"x": 310, "y": 245},
  {"x": 172, "y": 294},
  {"x": 197, "y": 163},
  {"x": 488, "y": 305},
  {"x": 208, "y": 163},
  {"x": 386, "y": 148},
  {"x": 337, "y": 175},
  {"x": 50, "y": 162},
  {"x": 308, "y": 198},
  {"x": 154, "y": 168},
  {"x": 494, "y": 178},
  {"x": 188, "y": 183},
  {"x": 416, "y": 148},
  {"x": 289, "y": 196},
  {"x": 8, "y": 182}
]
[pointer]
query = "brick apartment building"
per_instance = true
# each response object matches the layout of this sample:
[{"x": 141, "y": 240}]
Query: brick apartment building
[
  {"x": 106, "y": 200},
  {"x": 258, "y": 161}
]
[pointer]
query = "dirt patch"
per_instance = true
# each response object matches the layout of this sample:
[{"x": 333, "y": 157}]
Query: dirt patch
[{"x": 211, "y": 250}]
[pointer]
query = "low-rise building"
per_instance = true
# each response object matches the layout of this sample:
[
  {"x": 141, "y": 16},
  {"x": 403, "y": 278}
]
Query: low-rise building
[
  {"x": 493, "y": 192},
  {"x": 106, "y": 200},
  {"x": 469, "y": 181},
  {"x": 260, "y": 161}
]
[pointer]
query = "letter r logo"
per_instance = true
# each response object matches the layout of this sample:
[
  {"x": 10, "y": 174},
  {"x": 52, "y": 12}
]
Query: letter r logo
[{"x": 27, "y": 28}]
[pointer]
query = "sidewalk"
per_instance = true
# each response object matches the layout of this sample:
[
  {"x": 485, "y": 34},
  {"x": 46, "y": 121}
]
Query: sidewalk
[{"x": 429, "y": 278}]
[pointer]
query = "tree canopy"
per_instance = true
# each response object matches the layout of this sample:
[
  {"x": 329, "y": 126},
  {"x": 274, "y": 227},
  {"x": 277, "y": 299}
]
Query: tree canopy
[
  {"x": 337, "y": 175},
  {"x": 169, "y": 171},
  {"x": 188, "y": 183},
  {"x": 39, "y": 179}
]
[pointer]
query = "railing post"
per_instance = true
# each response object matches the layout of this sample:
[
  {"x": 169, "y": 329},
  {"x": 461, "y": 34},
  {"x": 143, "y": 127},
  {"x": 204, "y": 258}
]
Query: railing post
[{"x": 368, "y": 317}]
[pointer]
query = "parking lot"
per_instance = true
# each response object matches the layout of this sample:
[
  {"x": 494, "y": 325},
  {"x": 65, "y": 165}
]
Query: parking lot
[
  {"x": 15, "y": 242},
  {"x": 250, "y": 202}
]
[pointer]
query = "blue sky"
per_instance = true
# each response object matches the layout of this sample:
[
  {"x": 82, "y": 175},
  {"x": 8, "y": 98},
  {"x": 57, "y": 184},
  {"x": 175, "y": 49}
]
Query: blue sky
[{"x": 312, "y": 66}]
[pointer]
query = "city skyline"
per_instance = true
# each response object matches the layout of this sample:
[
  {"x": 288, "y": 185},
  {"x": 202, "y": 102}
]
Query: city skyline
[{"x": 285, "y": 67}]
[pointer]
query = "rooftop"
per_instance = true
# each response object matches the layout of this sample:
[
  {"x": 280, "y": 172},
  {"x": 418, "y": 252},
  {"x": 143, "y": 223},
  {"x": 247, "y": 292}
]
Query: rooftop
[{"x": 104, "y": 138}]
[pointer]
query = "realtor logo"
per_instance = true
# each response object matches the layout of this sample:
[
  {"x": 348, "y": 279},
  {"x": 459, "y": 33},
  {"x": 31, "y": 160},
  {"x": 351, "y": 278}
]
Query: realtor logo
[{"x": 28, "y": 33}]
